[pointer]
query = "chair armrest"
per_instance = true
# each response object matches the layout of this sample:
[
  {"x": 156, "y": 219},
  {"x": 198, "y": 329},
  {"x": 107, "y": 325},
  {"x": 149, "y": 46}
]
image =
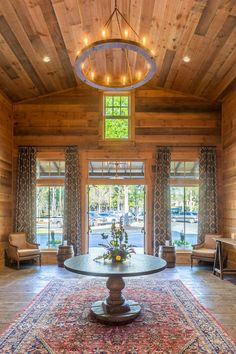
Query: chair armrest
[
  {"x": 198, "y": 245},
  {"x": 12, "y": 251},
  {"x": 32, "y": 245},
  {"x": 13, "y": 246}
]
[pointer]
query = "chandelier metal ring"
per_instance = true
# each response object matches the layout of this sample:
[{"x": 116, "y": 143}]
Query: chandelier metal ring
[{"x": 114, "y": 43}]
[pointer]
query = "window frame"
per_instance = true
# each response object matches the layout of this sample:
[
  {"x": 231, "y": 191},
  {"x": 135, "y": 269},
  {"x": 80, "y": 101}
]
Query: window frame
[
  {"x": 50, "y": 181},
  {"x": 49, "y": 217},
  {"x": 129, "y": 117},
  {"x": 184, "y": 182},
  {"x": 117, "y": 177},
  {"x": 53, "y": 180}
]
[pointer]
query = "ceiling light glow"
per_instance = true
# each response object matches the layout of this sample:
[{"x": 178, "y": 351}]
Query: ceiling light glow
[
  {"x": 46, "y": 59},
  {"x": 186, "y": 59}
]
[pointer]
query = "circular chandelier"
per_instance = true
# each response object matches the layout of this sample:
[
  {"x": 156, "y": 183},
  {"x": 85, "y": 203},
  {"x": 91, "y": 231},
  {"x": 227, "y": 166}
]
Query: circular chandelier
[{"x": 130, "y": 78}]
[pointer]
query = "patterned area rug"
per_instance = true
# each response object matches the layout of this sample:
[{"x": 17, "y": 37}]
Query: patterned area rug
[{"x": 171, "y": 322}]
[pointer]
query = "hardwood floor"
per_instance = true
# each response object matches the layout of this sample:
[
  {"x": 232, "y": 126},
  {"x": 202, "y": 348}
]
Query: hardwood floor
[{"x": 18, "y": 288}]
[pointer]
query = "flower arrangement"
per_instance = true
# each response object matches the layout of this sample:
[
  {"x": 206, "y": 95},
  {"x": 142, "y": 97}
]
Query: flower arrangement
[{"x": 117, "y": 248}]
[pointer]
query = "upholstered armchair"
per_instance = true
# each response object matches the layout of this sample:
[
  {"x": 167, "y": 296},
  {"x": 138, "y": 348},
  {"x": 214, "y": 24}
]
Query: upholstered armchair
[
  {"x": 206, "y": 250},
  {"x": 19, "y": 249}
]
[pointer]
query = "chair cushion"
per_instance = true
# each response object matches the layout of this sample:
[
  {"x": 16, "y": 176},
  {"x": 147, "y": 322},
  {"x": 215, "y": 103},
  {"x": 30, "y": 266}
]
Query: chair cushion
[
  {"x": 204, "y": 252},
  {"x": 18, "y": 239},
  {"x": 28, "y": 252},
  {"x": 210, "y": 240}
]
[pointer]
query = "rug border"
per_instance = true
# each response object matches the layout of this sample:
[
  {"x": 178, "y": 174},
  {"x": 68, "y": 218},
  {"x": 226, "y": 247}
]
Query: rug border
[
  {"x": 209, "y": 313},
  {"x": 20, "y": 313}
]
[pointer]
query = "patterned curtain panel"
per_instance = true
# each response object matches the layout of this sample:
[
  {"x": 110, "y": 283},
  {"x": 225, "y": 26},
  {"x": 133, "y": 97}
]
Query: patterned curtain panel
[
  {"x": 26, "y": 193},
  {"x": 208, "y": 208},
  {"x": 72, "y": 218},
  {"x": 162, "y": 214}
]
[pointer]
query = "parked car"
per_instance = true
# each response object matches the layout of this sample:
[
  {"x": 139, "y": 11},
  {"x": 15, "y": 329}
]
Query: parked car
[
  {"x": 185, "y": 217},
  {"x": 109, "y": 217},
  {"x": 140, "y": 216},
  {"x": 93, "y": 218},
  {"x": 54, "y": 221},
  {"x": 116, "y": 216},
  {"x": 58, "y": 221}
]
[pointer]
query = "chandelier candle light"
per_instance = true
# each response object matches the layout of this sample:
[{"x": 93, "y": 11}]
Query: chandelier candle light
[{"x": 85, "y": 58}]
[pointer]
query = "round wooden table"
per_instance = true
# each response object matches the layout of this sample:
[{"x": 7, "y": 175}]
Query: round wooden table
[{"x": 115, "y": 309}]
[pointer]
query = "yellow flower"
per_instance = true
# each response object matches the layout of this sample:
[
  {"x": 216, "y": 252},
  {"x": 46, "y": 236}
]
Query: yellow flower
[{"x": 118, "y": 258}]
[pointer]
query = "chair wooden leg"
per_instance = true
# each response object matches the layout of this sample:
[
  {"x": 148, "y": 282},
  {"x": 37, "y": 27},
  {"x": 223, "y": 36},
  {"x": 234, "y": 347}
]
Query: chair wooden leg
[
  {"x": 40, "y": 260},
  {"x": 191, "y": 262},
  {"x": 18, "y": 264}
]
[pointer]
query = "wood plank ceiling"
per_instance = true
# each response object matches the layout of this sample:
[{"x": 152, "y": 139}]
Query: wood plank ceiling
[{"x": 203, "y": 30}]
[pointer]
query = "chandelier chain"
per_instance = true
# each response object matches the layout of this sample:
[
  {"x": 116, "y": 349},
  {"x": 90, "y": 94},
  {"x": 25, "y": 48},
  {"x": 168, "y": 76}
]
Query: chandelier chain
[
  {"x": 125, "y": 51},
  {"x": 128, "y": 23},
  {"x": 116, "y": 11}
]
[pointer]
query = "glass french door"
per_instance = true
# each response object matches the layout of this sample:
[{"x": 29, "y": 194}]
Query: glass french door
[{"x": 113, "y": 203}]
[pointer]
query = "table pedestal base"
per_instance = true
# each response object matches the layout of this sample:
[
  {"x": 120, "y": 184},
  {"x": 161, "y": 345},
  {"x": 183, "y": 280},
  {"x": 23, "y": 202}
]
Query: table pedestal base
[
  {"x": 102, "y": 315},
  {"x": 115, "y": 309}
]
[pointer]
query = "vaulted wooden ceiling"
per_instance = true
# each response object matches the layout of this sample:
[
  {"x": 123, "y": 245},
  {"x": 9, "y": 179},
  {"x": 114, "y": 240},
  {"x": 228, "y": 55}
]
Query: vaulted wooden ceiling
[{"x": 203, "y": 30}]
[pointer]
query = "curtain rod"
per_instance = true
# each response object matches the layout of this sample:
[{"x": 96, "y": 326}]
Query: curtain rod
[
  {"x": 170, "y": 146},
  {"x": 187, "y": 146},
  {"x": 45, "y": 146}
]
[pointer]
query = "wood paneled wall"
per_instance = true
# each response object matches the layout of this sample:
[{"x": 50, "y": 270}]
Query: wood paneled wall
[
  {"x": 162, "y": 117},
  {"x": 6, "y": 143},
  {"x": 165, "y": 117},
  {"x": 229, "y": 168}
]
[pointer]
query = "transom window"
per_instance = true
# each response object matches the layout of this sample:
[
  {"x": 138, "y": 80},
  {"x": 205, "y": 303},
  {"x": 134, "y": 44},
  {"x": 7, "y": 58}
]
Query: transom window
[
  {"x": 53, "y": 169},
  {"x": 116, "y": 116},
  {"x": 184, "y": 169},
  {"x": 116, "y": 169}
]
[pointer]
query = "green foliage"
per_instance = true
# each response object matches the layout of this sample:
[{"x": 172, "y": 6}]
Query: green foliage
[
  {"x": 180, "y": 243},
  {"x": 112, "y": 197},
  {"x": 116, "y": 128},
  {"x": 54, "y": 243},
  {"x": 50, "y": 201},
  {"x": 116, "y": 102},
  {"x": 116, "y": 107},
  {"x": 117, "y": 248},
  {"x": 191, "y": 198}
]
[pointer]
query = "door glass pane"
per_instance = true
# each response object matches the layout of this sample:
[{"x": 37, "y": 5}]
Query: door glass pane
[{"x": 110, "y": 203}]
